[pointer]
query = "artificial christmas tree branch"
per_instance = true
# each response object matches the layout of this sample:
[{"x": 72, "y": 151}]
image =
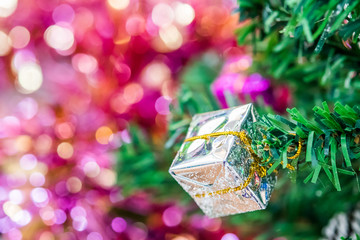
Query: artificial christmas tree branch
[
  {"x": 313, "y": 47},
  {"x": 330, "y": 142},
  {"x": 310, "y": 45}
]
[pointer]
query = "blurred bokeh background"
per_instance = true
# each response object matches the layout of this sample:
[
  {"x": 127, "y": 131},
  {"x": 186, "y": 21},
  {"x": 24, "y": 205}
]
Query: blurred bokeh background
[{"x": 75, "y": 78}]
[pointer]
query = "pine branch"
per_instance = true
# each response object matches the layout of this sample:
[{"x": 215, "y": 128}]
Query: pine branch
[
  {"x": 311, "y": 45},
  {"x": 329, "y": 143}
]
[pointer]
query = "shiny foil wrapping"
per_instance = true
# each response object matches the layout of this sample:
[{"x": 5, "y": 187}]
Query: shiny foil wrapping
[{"x": 216, "y": 164}]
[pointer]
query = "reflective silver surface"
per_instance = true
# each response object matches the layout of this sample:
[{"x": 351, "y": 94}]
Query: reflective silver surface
[{"x": 205, "y": 166}]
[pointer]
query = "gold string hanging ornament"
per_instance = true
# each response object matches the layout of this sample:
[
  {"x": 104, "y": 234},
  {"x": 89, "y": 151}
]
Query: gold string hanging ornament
[
  {"x": 255, "y": 166},
  {"x": 194, "y": 169}
]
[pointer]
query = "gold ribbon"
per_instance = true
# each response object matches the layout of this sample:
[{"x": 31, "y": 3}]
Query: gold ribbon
[
  {"x": 254, "y": 167},
  {"x": 216, "y": 134}
]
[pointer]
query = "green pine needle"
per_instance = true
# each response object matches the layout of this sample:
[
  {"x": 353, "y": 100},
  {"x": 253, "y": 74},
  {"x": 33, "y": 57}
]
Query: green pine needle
[{"x": 322, "y": 147}]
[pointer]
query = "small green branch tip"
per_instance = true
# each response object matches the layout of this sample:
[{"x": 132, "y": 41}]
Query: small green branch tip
[{"x": 330, "y": 140}]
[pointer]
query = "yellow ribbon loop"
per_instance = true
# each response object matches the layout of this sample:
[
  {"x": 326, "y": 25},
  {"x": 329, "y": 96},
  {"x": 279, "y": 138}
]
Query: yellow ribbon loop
[
  {"x": 254, "y": 167},
  {"x": 297, "y": 154}
]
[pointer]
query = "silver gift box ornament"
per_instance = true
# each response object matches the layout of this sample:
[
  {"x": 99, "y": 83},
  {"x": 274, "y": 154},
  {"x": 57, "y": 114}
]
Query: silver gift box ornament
[{"x": 213, "y": 170}]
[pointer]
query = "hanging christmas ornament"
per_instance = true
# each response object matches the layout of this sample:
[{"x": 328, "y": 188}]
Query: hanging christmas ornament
[{"x": 217, "y": 166}]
